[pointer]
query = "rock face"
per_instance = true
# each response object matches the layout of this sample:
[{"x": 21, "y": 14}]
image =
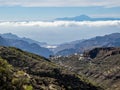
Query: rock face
[
  {"x": 102, "y": 52},
  {"x": 99, "y": 65},
  {"x": 26, "y": 71}
]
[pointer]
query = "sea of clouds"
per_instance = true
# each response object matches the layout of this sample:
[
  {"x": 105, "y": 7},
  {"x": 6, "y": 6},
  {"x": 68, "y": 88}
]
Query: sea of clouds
[
  {"x": 61, "y": 23},
  {"x": 56, "y": 32}
]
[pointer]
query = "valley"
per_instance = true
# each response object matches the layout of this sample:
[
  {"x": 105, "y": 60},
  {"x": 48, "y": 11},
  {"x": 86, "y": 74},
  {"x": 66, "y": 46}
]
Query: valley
[
  {"x": 100, "y": 65},
  {"x": 59, "y": 44},
  {"x": 92, "y": 64},
  {"x": 21, "y": 70}
]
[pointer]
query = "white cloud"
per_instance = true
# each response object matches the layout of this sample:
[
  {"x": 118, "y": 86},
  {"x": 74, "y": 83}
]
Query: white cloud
[
  {"x": 60, "y": 3},
  {"x": 52, "y": 46},
  {"x": 61, "y": 24}
]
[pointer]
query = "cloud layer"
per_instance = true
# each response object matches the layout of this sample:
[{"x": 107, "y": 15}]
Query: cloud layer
[
  {"x": 61, "y": 24},
  {"x": 60, "y": 3}
]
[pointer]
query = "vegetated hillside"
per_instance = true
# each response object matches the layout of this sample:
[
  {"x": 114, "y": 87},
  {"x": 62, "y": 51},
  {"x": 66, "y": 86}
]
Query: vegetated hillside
[
  {"x": 13, "y": 79},
  {"x": 111, "y": 40},
  {"x": 100, "y": 65},
  {"x": 21, "y": 70},
  {"x": 24, "y": 44}
]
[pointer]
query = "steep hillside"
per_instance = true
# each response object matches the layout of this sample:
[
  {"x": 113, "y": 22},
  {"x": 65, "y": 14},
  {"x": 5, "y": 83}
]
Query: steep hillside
[
  {"x": 13, "y": 79},
  {"x": 100, "y": 65},
  {"x": 36, "y": 73}
]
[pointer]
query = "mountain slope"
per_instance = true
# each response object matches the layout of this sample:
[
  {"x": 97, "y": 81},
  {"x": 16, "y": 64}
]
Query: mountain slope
[
  {"x": 29, "y": 45},
  {"x": 15, "y": 37},
  {"x": 13, "y": 79},
  {"x": 99, "y": 65},
  {"x": 66, "y": 46},
  {"x": 42, "y": 74},
  {"x": 111, "y": 40},
  {"x": 3, "y": 42},
  {"x": 34, "y": 48}
]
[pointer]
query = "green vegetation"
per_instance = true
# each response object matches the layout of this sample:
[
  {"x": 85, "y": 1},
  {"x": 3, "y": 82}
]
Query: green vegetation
[
  {"x": 6, "y": 72},
  {"x": 12, "y": 80},
  {"x": 25, "y": 71},
  {"x": 103, "y": 69}
]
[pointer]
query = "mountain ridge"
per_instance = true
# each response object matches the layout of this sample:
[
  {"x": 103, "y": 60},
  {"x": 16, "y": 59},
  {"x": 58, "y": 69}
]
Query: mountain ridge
[
  {"x": 10, "y": 39},
  {"x": 78, "y": 46},
  {"x": 13, "y": 36},
  {"x": 110, "y": 40}
]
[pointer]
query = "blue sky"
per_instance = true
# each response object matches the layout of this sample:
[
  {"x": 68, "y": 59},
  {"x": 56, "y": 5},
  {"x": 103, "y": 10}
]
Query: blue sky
[
  {"x": 18, "y": 13},
  {"x": 40, "y": 13},
  {"x": 50, "y": 9}
]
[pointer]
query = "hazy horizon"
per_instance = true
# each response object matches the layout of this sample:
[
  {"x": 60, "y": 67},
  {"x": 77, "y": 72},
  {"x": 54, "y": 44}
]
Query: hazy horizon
[{"x": 35, "y": 19}]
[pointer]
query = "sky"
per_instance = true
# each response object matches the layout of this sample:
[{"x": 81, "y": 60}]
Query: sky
[
  {"x": 35, "y": 19},
  {"x": 18, "y": 13}
]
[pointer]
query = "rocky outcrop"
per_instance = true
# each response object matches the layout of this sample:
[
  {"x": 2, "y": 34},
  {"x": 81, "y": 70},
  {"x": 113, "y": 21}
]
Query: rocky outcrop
[
  {"x": 102, "y": 52},
  {"x": 100, "y": 65}
]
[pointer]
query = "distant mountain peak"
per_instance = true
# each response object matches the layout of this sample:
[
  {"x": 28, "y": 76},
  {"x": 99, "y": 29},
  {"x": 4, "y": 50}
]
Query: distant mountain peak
[
  {"x": 83, "y": 16},
  {"x": 86, "y": 18},
  {"x": 26, "y": 44},
  {"x": 9, "y": 35},
  {"x": 76, "y": 18}
]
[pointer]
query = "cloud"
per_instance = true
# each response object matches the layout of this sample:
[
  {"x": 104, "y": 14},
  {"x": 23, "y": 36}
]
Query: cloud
[
  {"x": 61, "y": 24},
  {"x": 61, "y": 3}
]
